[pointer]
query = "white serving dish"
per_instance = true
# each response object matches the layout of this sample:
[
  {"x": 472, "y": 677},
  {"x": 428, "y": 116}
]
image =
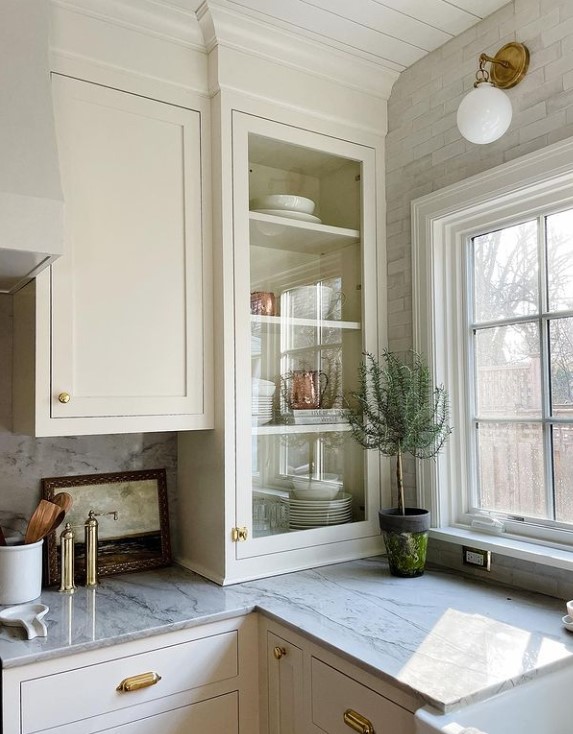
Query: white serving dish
[
  {"x": 289, "y": 202},
  {"x": 28, "y": 616},
  {"x": 262, "y": 388},
  {"x": 316, "y": 489}
]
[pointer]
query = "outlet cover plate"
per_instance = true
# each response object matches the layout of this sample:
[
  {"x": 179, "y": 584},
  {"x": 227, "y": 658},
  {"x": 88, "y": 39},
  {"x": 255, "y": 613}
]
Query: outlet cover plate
[{"x": 476, "y": 557}]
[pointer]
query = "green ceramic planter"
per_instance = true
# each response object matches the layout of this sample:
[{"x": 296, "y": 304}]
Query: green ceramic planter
[{"x": 406, "y": 540}]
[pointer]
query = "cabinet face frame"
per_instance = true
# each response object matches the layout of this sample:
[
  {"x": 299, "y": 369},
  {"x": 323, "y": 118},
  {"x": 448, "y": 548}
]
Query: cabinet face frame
[
  {"x": 193, "y": 396},
  {"x": 243, "y": 125}
]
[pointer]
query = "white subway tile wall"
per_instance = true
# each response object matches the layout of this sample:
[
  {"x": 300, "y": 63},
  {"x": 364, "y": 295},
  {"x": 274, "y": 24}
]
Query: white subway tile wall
[{"x": 426, "y": 152}]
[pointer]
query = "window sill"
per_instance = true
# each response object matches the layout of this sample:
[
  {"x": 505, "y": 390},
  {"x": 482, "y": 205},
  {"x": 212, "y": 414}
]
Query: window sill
[{"x": 507, "y": 546}]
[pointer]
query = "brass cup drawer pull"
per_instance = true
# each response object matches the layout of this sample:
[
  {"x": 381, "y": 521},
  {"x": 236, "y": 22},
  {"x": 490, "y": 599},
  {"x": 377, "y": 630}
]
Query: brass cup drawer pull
[
  {"x": 357, "y": 722},
  {"x": 143, "y": 680}
]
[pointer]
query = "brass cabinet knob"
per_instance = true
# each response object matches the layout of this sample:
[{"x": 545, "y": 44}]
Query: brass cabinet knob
[
  {"x": 239, "y": 534},
  {"x": 135, "y": 682},
  {"x": 357, "y": 722},
  {"x": 279, "y": 652},
  {"x": 64, "y": 397}
]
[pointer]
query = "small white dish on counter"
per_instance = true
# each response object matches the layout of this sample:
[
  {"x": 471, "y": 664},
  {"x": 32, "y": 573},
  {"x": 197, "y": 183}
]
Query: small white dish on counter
[
  {"x": 568, "y": 622},
  {"x": 28, "y": 616}
]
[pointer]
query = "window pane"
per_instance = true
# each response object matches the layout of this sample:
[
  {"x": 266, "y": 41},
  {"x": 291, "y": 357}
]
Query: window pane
[
  {"x": 510, "y": 461},
  {"x": 563, "y": 468},
  {"x": 561, "y": 341},
  {"x": 505, "y": 273},
  {"x": 508, "y": 375},
  {"x": 560, "y": 260}
]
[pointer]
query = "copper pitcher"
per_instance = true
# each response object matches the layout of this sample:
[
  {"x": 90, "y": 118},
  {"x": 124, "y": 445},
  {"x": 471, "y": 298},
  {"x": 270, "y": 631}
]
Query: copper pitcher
[{"x": 306, "y": 389}]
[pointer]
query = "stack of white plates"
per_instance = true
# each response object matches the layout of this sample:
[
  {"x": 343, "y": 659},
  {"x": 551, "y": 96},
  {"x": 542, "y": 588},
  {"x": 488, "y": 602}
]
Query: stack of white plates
[
  {"x": 304, "y": 514},
  {"x": 262, "y": 401},
  {"x": 262, "y": 409}
]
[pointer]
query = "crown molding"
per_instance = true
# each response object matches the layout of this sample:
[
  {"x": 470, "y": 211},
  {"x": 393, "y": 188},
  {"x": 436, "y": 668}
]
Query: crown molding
[
  {"x": 152, "y": 17},
  {"x": 223, "y": 25}
]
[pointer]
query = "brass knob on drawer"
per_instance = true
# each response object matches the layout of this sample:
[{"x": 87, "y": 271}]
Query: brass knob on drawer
[
  {"x": 143, "y": 680},
  {"x": 357, "y": 722},
  {"x": 64, "y": 397},
  {"x": 279, "y": 652}
]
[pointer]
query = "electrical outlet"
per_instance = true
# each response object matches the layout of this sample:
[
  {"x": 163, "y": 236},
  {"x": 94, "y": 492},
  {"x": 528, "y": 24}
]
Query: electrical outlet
[{"x": 476, "y": 557}]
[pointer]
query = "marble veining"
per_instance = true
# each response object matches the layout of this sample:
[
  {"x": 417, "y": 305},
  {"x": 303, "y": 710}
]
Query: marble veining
[{"x": 451, "y": 641}]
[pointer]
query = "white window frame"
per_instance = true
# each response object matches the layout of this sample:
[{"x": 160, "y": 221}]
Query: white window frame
[{"x": 442, "y": 222}]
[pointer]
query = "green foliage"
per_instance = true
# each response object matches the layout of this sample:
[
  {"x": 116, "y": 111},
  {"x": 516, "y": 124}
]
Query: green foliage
[{"x": 398, "y": 412}]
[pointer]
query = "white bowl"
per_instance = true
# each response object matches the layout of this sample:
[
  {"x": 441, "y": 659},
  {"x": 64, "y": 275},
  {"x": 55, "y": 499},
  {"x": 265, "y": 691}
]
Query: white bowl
[
  {"x": 284, "y": 201},
  {"x": 307, "y": 301},
  {"x": 262, "y": 388},
  {"x": 305, "y": 488}
]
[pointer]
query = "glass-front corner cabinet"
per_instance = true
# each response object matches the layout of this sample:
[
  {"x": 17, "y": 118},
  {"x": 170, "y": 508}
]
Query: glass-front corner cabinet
[{"x": 306, "y": 310}]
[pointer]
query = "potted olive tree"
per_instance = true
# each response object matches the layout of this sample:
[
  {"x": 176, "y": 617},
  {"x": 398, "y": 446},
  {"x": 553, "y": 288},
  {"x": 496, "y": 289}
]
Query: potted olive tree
[{"x": 399, "y": 412}]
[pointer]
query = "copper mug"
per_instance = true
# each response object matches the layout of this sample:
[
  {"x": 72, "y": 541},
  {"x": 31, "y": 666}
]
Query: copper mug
[
  {"x": 263, "y": 303},
  {"x": 306, "y": 389}
]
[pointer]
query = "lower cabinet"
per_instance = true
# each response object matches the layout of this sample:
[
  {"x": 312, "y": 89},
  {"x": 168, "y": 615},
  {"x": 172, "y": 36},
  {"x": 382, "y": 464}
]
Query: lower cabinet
[
  {"x": 309, "y": 690},
  {"x": 341, "y": 704},
  {"x": 195, "y": 680},
  {"x": 285, "y": 689},
  {"x": 248, "y": 675},
  {"x": 218, "y": 714}
]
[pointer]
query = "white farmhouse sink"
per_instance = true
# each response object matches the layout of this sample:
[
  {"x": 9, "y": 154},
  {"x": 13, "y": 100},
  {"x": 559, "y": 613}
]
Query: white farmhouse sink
[{"x": 539, "y": 706}]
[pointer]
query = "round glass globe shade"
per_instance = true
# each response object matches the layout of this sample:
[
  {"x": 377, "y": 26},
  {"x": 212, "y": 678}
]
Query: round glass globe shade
[{"x": 484, "y": 114}]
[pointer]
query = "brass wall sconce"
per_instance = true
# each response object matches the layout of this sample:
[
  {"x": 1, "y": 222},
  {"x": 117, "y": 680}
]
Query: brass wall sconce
[{"x": 484, "y": 114}]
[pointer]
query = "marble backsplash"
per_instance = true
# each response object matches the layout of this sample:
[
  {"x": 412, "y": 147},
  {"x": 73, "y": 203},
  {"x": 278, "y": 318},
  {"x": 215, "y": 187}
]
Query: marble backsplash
[{"x": 24, "y": 460}]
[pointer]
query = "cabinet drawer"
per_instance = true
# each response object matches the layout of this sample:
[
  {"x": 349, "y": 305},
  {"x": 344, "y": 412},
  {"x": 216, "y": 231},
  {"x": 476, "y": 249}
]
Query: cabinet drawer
[
  {"x": 80, "y": 693},
  {"x": 333, "y": 693},
  {"x": 216, "y": 716}
]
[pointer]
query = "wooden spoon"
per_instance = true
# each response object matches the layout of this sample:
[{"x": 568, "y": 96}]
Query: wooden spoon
[
  {"x": 64, "y": 500},
  {"x": 46, "y": 517}
]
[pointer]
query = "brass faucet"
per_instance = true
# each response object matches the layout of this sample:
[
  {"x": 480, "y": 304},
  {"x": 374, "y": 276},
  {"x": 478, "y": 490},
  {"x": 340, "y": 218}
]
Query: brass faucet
[
  {"x": 67, "y": 543},
  {"x": 91, "y": 542},
  {"x": 67, "y": 584}
]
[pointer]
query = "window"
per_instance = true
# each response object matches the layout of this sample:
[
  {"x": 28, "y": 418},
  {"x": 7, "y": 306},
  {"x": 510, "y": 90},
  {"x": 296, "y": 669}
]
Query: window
[
  {"x": 520, "y": 342},
  {"x": 493, "y": 292}
]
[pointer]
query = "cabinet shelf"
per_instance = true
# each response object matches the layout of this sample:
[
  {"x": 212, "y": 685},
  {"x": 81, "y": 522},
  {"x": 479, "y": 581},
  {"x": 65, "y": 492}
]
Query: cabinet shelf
[
  {"x": 281, "y": 321},
  {"x": 279, "y": 428},
  {"x": 268, "y": 230}
]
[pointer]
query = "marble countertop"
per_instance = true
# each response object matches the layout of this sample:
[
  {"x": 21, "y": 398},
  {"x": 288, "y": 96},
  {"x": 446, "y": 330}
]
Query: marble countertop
[{"x": 451, "y": 641}]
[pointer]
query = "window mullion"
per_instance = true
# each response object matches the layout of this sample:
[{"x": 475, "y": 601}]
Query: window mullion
[
  {"x": 545, "y": 368},
  {"x": 472, "y": 424}
]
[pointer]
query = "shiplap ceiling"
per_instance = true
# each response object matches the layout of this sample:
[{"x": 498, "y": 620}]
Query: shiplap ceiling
[{"x": 392, "y": 33}]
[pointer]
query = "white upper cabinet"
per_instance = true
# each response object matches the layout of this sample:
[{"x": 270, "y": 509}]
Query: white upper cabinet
[
  {"x": 291, "y": 483},
  {"x": 304, "y": 284},
  {"x": 121, "y": 327}
]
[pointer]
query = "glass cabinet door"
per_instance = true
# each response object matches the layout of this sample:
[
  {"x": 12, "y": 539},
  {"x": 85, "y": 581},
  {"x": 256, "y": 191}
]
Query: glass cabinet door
[{"x": 302, "y": 331}]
